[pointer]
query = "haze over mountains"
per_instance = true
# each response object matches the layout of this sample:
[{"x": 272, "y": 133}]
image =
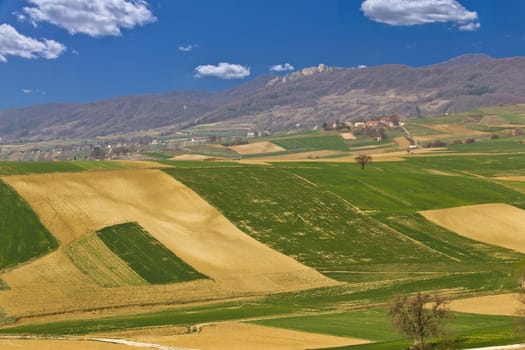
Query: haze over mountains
[{"x": 307, "y": 97}]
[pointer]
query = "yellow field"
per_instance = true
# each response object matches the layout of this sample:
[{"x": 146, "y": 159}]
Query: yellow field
[
  {"x": 95, "y": 260},
  {"x": 257, "y": 148},
  {"x": 512, "y": 178},
  {"x": 455, "y": 129},
  {"x": 402, "y": 142},
  {"x": 50, "y": 344},
  {"x": 191, "y": 157},
  {"x": 498, "y": 224},
  {"x": 76, "y": 204},
  {"x": 502, "y": 304},
  {"x": 347, "y": 136},
  {"x": 244, "y": 336}
]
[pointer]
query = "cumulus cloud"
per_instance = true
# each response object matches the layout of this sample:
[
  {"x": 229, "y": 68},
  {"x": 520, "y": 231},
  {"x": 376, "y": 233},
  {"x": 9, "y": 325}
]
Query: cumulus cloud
[
  {"x": 95, "y": 18},
  {"x": 222, "y": 71},
  {"x": 282, "y": 67},
  {"x": 27, "y": 91},
  {"x": 412, "y": 12},
  {"x": 470, "y": 27},
  {"x": 12, "y": 43},
  {"x": 187, "y": 48}
]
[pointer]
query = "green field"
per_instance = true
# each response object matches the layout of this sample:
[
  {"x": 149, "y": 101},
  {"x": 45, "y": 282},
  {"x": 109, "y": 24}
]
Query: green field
[
  {"x": 22, "y": 235},
  {"x": 356, "y": 226},
  {"x": 501, "y": 145},
  {"x": 20, "y": 168},
  {"x": 361, "y": 226},
  {"x": 462, "y": 330},
  {"x": 145, "y": 255},
  {"x": 310, "y": 142}
]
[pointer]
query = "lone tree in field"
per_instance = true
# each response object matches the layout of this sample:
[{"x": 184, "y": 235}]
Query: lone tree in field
[
  {"x": 419, "y": 318},
  {"x": 362, "y": 160}
]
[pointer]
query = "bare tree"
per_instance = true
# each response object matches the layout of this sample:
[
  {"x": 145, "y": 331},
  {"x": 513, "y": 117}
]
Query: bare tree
[
  {"x": 419, "y": 318},
  {"x": 362, "y": 160}
]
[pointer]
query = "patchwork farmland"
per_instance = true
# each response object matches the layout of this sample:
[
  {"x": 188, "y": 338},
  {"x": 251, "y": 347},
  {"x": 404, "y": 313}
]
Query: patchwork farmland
[{"x": 271, "y": 251}]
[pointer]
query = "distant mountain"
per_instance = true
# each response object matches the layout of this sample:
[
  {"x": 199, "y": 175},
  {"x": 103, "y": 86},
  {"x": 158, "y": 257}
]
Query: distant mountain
[{"x": 307, "y": 97}]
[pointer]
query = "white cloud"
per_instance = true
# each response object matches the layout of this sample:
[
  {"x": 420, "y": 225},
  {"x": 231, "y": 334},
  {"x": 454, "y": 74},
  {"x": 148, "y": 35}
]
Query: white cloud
[
  {"x": 470, "y": 27},
  {"x": 282, "y": 67},
  {"x": 412, "y": 12},
  {"x": 13, "y": 43},
  {"x": 19, "y": 16},
  {"x": 27, "y": 91},
  {"x": 95, "y": 18},
  {"x": 222, "y": 71},
  {"x": 188, "y": 48}
]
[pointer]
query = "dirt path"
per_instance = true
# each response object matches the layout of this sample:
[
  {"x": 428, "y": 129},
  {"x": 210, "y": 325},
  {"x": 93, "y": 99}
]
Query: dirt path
[{"x": 65, "y": 343}]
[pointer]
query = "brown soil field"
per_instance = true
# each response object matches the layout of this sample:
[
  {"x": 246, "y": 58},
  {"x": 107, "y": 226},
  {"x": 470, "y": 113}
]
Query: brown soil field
[
  {"x": 314, "y": 155},
  {"x": 347, "y": 136},
  {"x": 455, "y": 129},
  {"x": 49, "y": 344},
  {"x": 501, "y": 304},
  {"x": 74, "y": 205},
  {"x": 244, "y": 336},
  {"x": 402, "y": 142},
  {"x": 512, "y": 178},
  {"x": 191, "y": 157},
  {"x": 492, "y": 119},
  {"x": 142, "y": 164},
  {"x": 498, "y": 224},
  {"x": 257, "y": 148}
]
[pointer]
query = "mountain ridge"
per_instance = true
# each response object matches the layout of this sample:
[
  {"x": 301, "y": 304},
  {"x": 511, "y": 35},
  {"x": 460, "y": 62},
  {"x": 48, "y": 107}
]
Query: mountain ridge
[{"x": 306, "y": 97}]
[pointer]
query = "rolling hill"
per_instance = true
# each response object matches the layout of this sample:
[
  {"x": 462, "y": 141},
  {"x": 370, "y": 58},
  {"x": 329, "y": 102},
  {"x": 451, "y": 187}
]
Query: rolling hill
[{"x": 277, "y": 103}]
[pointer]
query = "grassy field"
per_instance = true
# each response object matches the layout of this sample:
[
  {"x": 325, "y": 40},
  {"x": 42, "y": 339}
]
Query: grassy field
[
  {"x": 308, "y": 211},
  {"x": 311, "y": 142},
  {"x": 355, "y": 226},
  {"x": 501, "y": 145},
  {"x": 20, "y": 168},
  {"x": 22, "y": 235},
  {"x": 145, "y": 255},
  {"x": 91, "y": 256},
  {"x": 462, "y": 330},
  {"x": 397, "y": 188}
]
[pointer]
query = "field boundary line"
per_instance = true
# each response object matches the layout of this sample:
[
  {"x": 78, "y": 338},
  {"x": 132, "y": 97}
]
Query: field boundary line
[
  {"x": 382, "y": 224},
  {"x": 127, "y": 342}
]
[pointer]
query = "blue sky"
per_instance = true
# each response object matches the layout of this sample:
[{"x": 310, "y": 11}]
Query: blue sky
[{"x": 83, "y": 50}]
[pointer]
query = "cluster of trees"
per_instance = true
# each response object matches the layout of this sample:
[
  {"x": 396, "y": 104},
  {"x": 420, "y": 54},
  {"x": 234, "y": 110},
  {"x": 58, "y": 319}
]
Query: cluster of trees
[{"x": 371, "y": 131}]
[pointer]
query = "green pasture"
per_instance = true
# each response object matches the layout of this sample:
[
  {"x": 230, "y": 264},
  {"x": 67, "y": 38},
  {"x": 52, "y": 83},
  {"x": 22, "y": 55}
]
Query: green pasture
[
  {"x": 311, "y": 142},
  {"x": 145, "y": 255},
  {"x": 461, "y": 329},
  {"x": 347, "y": 222},
  {"x": 22, "y": 235}
]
